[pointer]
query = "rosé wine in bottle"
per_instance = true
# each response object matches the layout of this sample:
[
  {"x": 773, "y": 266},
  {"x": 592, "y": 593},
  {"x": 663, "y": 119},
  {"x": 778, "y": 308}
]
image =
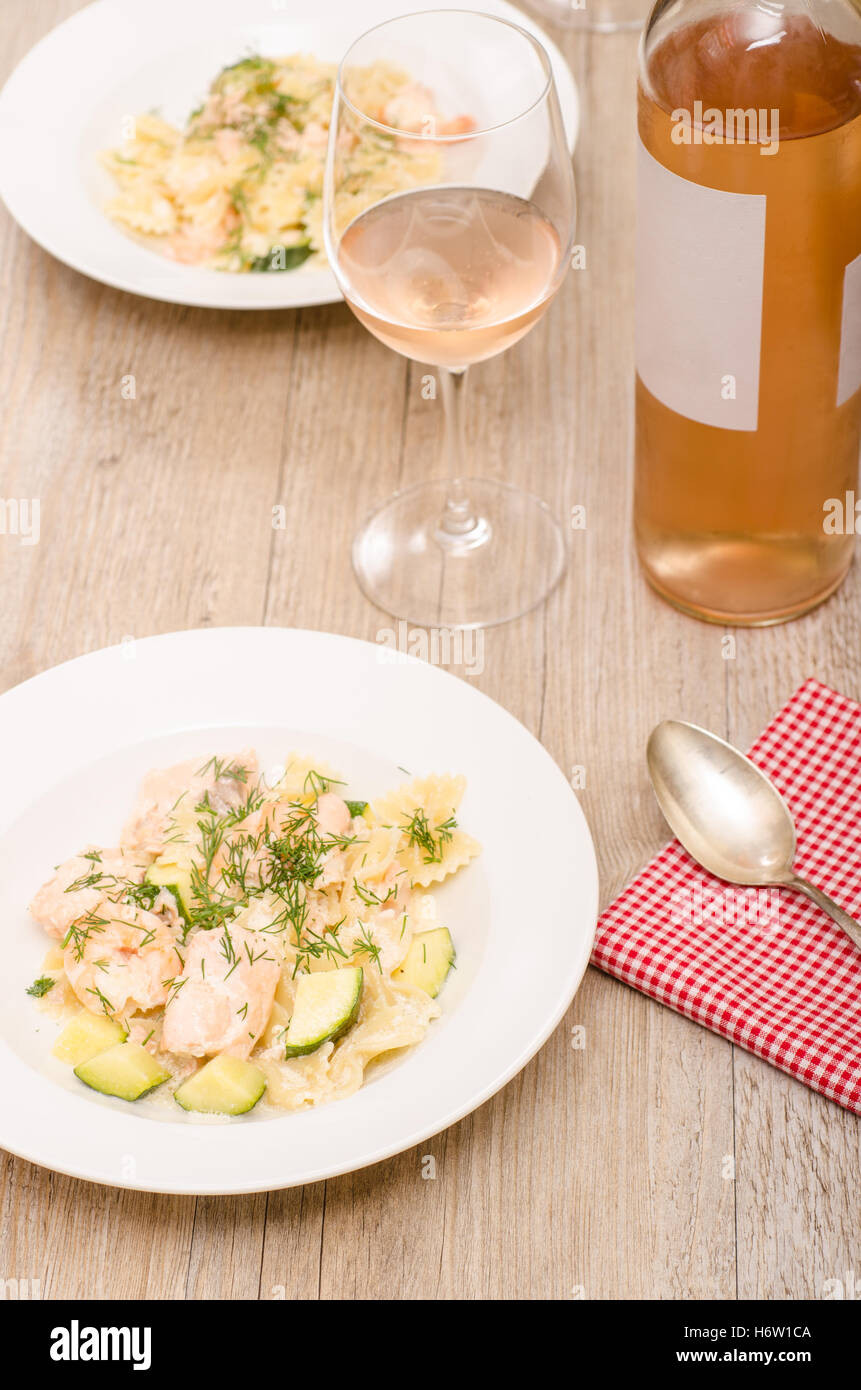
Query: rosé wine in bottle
[{"x": 748, "y": 389}]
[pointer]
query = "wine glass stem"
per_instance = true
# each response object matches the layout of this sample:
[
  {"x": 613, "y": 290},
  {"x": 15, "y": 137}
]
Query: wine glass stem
[{"x": 458, "y": 528}]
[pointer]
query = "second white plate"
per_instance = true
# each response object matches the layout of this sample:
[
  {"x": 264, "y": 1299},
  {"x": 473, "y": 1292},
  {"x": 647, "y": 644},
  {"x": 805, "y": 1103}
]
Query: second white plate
[{"x": 68, "y": 97}]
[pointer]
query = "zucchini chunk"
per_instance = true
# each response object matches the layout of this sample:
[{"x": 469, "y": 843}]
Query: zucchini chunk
[
  {"x": 224, "y": 1086},
  {"x": 86, "y": 1035},
  {"x": 326, "y": 1004},
  {"x": 428, "y": 961},
  {"x": 126, "y": 1070},
  {"x": 176, "y": 878}
]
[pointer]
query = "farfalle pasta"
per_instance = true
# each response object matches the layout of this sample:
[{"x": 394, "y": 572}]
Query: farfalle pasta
[
  {"x": 252, "y": 935},
  {"x": 424, "y": 812},
  {"x": 240, "y": 188}
]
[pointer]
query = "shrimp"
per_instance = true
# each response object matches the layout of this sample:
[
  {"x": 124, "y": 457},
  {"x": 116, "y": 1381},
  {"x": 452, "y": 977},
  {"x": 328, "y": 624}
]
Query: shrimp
[
  {"x": 122, "y": 959},
  {"x": 81, "y": 883}
]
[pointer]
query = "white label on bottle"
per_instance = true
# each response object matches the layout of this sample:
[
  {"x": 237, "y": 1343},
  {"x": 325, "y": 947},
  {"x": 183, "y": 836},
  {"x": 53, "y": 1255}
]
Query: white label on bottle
[
  {"x": 849, "y": 372},
  {"x": 700, "y": 260}
]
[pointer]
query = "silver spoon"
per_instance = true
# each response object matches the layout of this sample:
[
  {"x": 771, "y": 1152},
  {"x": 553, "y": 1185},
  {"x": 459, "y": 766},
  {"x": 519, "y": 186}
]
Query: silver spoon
[{"x": 728, "y": 815}]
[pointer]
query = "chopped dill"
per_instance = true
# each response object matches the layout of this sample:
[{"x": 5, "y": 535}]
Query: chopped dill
[
  {"x": 39, "y": 988},
  {"x": 106, "y": 1004},
  {"x": 369, "y": 897},
  {"x": 365, "y": 945},
  {"x": 431, "y": 840}
]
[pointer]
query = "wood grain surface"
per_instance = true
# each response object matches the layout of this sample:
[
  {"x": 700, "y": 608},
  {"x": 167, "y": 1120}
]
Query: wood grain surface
[{"x": 654, "y": 1162}]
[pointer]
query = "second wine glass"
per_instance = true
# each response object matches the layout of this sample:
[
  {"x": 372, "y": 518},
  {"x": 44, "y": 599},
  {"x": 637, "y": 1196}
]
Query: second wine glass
[{"x": 449, "y": 222}]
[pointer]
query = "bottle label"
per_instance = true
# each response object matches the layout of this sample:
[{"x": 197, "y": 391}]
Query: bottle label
[
  {"x": 849, "y": 371},
  {"x": 700, "y": 266}
]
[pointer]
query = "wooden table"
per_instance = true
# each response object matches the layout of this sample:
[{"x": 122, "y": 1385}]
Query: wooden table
[{"x": 656, "y": 1162}]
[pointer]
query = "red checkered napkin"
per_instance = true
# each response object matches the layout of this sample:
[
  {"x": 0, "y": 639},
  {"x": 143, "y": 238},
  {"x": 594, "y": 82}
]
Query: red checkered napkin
[{"x": 765, "y": 969}]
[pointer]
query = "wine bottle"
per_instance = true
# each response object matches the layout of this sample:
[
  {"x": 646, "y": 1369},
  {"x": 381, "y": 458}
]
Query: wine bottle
[{"x": 748, "y": 340}]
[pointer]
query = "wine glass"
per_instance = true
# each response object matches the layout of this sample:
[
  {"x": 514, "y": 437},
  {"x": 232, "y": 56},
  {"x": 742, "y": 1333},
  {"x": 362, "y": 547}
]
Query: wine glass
[{"x": 449, "y": 214}]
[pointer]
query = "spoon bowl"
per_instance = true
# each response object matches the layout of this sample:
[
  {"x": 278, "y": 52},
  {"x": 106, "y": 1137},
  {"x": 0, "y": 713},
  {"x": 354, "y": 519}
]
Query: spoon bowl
[{"x": 727, "y": 814}]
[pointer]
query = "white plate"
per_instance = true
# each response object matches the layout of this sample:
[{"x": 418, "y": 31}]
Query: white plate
[
  {"x": 67, "y": 99},
  {"x": 73, "y": 745}
]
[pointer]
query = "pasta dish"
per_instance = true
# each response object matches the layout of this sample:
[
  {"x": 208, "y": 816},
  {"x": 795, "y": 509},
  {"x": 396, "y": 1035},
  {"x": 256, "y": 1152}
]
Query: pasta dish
[
  {"x": 251, "y": 935},
  {"x": 240, "y": 189}
]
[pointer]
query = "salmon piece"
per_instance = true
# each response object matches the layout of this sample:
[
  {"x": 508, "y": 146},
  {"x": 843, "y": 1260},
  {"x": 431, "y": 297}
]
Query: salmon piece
[
  {"x": 315, "y": 136},
  {"x": 333, "y": 820},
  {"x": 192, "y": 244},
  {"x": 223, "y": 999},
  {"x": 333, "y": 815},
  {"x": 166, "y": 790},
  {"x": 459, "y": 125},
  {"x": 123, "y": 961},
  {"x": 287, "y": 138},
  {"x": 55, "y": 908},
  {"x": 412, "y": 109},
  {"x": 228, "y": 143}
]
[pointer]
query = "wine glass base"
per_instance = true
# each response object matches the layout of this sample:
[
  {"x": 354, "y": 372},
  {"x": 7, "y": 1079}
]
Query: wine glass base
[{"x": 408, "y": 564}]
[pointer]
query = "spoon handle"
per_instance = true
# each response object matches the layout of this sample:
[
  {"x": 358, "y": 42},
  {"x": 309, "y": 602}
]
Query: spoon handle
[{"x": 836, "y": 913}]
